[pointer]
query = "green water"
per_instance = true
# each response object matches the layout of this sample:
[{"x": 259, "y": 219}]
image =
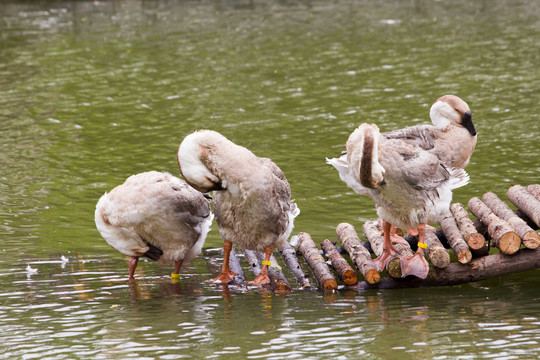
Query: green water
[{"x": 92, "y": 92}]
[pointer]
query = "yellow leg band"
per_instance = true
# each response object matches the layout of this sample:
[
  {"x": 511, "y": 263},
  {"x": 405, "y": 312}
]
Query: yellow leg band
[
  {"x": 175, "y": 276},
  {"x": 422, "y": 245},
  {"x": 268, "y": 263}
]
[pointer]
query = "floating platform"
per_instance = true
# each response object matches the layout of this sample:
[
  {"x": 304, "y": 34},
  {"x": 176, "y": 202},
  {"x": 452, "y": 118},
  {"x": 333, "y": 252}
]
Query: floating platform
[{"x": 458, "y": 251}]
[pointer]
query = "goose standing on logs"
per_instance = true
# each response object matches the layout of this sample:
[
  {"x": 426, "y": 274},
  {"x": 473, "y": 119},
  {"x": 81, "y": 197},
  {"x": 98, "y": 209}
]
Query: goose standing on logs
[
  {"x": 157, "y": 215},
  {"x": 252, "y": 198},
  {"x": 410, "y": 183}
]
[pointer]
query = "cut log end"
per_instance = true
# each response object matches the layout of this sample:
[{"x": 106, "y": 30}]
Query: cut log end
[
  {"x": 476, "y": 241},
  {"x": 531, "y": 240},
  {"x": 329, "y": 285},
  {"x": 373, "y": 276},
  {"x": 394, "y": 268},
  {"x": 439, "y": 257},
  {"x": 464, "y": 256},
  {"x": 350, "y": 277},
  {"x": 281, "y": 287},
  {"x": 509, "y": 243}
]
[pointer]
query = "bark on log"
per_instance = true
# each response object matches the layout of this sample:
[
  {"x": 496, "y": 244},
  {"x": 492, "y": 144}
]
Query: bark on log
[
  {"x": 502, "y": 234},
  {"x": 288, "y": 254},
  {"x": 534, "y": 189},
  {"x": 529, "y": 237},
  {"x": 314, "y": 259},
  {"x": 455, "y": 239},
  {"x": 234, "y": 265},
  {"x": 473, "y": 237},
  {"x": 342, "y": 267},
  {"x": 375, "y": 236},
  {"x": 457, "y": 273},
  {"x": 278, "y": 281},
  {"x": 435, "y": 251},
  {"x": 359, "y": 255},
  {"x": 525, "y": 201}
]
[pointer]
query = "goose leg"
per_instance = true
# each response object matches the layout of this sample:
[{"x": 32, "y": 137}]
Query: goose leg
[
  {"x": 227, "y": 274},
  {"x": 263, "y": 278},
  {"x": 417, "y": 265},
  {"x": 133, "y": 261},
  {"x": 389, "y": 252},
  {"x": 175, "y": 276}
]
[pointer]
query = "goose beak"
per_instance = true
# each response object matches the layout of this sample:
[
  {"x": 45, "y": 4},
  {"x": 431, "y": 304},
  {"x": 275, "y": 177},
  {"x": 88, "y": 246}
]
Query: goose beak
[{"x": 466, "y": 121}]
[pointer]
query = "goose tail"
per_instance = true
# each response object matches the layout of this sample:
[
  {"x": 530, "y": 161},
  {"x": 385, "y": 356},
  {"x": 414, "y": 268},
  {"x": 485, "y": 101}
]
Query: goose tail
[{"x": 458, "y": 178}]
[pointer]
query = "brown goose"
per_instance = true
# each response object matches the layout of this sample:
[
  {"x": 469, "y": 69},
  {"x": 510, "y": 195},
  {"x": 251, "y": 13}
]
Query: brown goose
[
  {"x": 410, "y": 185},
  {"x": 156, "y": 215},
  {"x": 252, "y": 198}
]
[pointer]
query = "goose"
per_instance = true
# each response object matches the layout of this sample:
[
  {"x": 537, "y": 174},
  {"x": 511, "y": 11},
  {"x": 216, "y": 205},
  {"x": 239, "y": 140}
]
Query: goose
[
  {"x": 410, "y": 186},
  {"x": 157, "y": 215},
  {"x": 252, "y": 198}
]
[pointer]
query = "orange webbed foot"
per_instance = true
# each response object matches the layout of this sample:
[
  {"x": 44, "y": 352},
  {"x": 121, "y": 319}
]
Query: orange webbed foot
[
  {"x": 416, "y": 265},
  {"x": 260, "y": 280},
  {"x": 381, "y": 262},
  {"x": 223, "y": 278}
]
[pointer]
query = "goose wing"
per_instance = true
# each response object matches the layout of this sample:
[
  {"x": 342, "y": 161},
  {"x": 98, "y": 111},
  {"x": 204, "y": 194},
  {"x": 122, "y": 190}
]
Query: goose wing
[{"x": 423, "y": 136}]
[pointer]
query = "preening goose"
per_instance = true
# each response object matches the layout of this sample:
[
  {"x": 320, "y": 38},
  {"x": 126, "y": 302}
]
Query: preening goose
[
  {"x": 156, "y": 215},
  {"x": 410, "y": 185},
  {"x": 252, "y": 198}
]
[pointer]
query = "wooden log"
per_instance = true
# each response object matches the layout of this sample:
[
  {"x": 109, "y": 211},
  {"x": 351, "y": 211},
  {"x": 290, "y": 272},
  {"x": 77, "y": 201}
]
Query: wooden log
[
  {"x": 534, "y": 189},
  {"x": 314, "y": 259},
  {"x": 457, "y": 273},
  {"x": 455, "y": 239},
  {"x": 528, "y": 236},
  {"x": 278, "y": 281},
  {"x": 502, "y": 234},
  {"x": 234, "y": 265},
  {"x": 435, "y": 251},
  {"x": 525, "y": 218},
  {"x": 288, "y": 254},
  {"x": 359, "y": 255},
  {"x": 525, "y": 201},
  {"x": 345, "y": 272},
  {"x": 473, "y": 237},
  {"x": 375, "y": 237}
]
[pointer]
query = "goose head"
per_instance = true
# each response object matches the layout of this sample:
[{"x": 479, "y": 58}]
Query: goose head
[
  {"x": 194, "y": 161},
  {"x": 450, "y": 109}
]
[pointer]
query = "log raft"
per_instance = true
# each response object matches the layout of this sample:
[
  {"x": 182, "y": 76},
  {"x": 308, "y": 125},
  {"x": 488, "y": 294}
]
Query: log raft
[{"x": 497, "y": 222}]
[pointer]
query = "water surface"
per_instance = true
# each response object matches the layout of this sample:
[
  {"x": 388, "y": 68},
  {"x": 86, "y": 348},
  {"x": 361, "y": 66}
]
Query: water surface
[{"x": 92, "y": 92}]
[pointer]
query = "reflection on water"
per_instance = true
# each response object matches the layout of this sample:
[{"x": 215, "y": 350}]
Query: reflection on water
[
  {"x": 94, "y": 91},
  {"x": 88, "y": 309}
]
